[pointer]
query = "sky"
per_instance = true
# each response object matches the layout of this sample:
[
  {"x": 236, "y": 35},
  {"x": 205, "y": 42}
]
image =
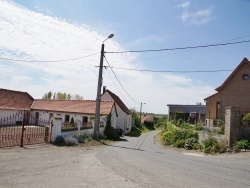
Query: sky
[{"x": 55, "y": 46}]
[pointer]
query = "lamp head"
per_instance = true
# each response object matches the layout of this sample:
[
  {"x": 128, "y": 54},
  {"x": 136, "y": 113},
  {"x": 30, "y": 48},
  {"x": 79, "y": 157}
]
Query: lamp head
[{"x": 111, "y": 36}]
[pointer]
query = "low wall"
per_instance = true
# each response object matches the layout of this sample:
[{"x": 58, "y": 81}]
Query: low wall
[{"x": 206, "y": 135}]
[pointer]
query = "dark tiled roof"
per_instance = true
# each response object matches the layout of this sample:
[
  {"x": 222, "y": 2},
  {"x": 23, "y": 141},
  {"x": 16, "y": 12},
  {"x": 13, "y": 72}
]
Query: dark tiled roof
[
  {"x": 15, "y": 100},
  {"x": 119, "y": 102},
  {"x": 72, "y": 106}
]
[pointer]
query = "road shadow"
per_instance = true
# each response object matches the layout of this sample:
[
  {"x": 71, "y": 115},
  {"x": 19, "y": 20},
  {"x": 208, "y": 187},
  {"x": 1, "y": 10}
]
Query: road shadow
[{"x": 123, "y": 147}]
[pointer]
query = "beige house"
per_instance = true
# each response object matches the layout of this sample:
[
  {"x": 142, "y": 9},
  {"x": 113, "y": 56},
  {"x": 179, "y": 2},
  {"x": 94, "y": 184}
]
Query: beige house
[{"x": 235, "y": 91}]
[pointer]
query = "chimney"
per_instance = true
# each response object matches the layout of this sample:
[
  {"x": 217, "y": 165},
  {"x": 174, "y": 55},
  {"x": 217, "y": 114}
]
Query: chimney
[{"x": 103, "y": 89}]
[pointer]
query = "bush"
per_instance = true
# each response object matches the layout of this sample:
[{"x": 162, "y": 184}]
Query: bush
[
  {"x": 71, "y": 141},
  {"x": 242, "y": 144},
  {"x": 72, "y": 121},
  {"x": 246, "y": 119},
  {"x": 198, "y": 128},
  {"x": 219, "y": 122},
  {"x": 60, "y": 140},
  {"x": 180, "y": 143},
  {"x": 110, "y": 133},
  {"x": 179, "y": 122},
  {"x": 189, "y": 143},
  {"x": 81, "y": 137},
  {"x": 197, "y": 146},
  {"x": 210, "y": 145},
  {"x": 171, "y": 137}
]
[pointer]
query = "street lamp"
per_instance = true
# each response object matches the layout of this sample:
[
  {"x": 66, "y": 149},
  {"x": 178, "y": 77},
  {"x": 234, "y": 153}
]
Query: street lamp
[
  {"x": 98, "y": 96},
  {"x": 140, "y": 112}
]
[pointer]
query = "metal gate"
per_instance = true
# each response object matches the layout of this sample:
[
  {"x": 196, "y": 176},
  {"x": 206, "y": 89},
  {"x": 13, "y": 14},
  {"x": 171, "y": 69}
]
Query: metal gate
[{"x": 22, "y": 129}]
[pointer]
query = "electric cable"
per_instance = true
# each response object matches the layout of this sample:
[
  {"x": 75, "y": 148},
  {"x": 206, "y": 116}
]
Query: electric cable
[
  {"x": 182, "y": 48},
  {"x": 119, "y": 81}
]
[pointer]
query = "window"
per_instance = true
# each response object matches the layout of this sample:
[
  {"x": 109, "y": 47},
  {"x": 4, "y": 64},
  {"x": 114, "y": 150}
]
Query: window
[
  {"x": 217, "y": 109},
  {"x": 245, "y": 76},
  {"x": 84, "y": 121},
  {"x": 66, "y": 118}
]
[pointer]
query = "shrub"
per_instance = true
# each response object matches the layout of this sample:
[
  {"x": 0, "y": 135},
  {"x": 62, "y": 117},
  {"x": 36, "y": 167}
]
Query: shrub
[
  {"x": 223, "y": 145},
  {"x": 210, "y": 145},
  {"x": 189, "y": 143},
  {"x": 168, "y": 138},
  {"x": 110, "y": 133},
  {"x": 72, "y": 121},
  {"x": 171, "y": 137},
  {"x": 186, "y": 126},
  {"x": 179, "y": 122},
  {"x": 197, "y": 146},
  {"x": 246, "y": 119},
  {"x": 180, "y": 143},
  {"x": 81, "y": 137},
  {"x": 71, "y": 140},
  {"x": 60, "y": 140},
  {"x": 219, "y": 122},
  {"x": 198, "y": 128},
  {"x": 242, "y": 144}
]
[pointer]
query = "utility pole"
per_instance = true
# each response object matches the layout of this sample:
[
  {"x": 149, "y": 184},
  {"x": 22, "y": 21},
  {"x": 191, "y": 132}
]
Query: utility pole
[{"x": 98, "y": 96}]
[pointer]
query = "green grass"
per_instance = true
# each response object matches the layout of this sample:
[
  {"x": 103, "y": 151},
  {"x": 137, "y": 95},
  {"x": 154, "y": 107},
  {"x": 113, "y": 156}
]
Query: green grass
[{"x": 136, "y": 132}]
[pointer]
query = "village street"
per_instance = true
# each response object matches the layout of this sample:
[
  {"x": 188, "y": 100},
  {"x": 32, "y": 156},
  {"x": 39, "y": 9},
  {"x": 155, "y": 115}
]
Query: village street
[{"x": 133, "y": 162}]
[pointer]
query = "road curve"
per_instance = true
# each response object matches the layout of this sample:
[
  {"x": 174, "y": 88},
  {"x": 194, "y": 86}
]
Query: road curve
[{"x": 139, "y": 160}]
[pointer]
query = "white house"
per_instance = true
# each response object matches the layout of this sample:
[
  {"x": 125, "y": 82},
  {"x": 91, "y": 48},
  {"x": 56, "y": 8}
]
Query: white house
[
  {"x": 13, "y": 104},
  {"x": 124, "y": 117}
]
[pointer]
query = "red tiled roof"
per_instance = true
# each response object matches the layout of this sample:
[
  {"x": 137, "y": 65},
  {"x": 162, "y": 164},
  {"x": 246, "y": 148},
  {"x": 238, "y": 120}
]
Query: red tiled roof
[
  {"x": 245, "y": 60},
  {"x": 15, "y": 100},
  {"x": 119, "y": 102},
  {"x": 72, "y": 106}
]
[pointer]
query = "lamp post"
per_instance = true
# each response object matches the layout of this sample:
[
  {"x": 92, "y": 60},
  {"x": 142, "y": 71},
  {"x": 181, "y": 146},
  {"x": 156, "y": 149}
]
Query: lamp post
[
  {"x": 140, "y": 112},
  {"x": 98, "y": 96}
]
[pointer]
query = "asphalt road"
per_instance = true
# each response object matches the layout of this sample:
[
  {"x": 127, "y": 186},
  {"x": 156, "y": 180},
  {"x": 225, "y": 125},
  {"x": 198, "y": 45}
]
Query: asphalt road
[
  {"x": 140, "y": 161},
  {"x": 134, "y": 162}
]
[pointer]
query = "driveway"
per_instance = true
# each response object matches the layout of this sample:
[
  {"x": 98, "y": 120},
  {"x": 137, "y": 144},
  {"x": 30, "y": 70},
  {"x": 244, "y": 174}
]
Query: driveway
[{"x": 133, "y": 162}]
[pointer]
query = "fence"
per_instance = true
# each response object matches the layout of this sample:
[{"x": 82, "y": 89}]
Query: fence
[{"x": 22, "y": 128}]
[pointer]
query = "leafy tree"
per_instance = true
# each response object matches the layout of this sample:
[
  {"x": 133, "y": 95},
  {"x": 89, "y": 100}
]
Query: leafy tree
[
  {"x": 62, "y": 96},
  {"x": 47, "y": 95}
]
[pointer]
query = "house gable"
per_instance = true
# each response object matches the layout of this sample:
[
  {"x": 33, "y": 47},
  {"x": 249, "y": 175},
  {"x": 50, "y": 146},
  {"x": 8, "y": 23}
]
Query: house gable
[
  {"x": 118, "y": 101},
  {"x": 242, "y": 69}
]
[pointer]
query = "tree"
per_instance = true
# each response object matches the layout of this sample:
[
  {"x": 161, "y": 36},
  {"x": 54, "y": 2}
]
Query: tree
[
  {"x": 198, "y": 103},
  {"x": 62, "y": 96},
  {"x": 47, "y": 95}
]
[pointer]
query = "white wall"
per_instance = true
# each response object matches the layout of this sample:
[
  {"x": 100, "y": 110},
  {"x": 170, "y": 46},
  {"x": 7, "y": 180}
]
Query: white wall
[
  {"x": 44, "y": 115},
  {"x": 123, "y": 120},
  {"x": 10, "y": 113}
]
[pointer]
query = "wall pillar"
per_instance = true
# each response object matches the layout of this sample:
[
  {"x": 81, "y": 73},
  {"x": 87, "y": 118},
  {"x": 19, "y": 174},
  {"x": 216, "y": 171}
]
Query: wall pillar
[
  {"x": 56, "y": 127},
  {"x": 232, "y": 126}
]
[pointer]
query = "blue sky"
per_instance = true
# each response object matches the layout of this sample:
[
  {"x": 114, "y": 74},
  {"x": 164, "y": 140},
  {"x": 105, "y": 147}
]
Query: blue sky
[{"x": 33, "y": 30}]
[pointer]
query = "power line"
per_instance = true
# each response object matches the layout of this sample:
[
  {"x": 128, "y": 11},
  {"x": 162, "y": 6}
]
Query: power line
[
  {"x": 119, "y": 81},
  {"x": 183, "y": 48},
  {"x": 43, "y": 61},
  {"x": 194, "y": 71},
  {"x": 116, "y": 86}
]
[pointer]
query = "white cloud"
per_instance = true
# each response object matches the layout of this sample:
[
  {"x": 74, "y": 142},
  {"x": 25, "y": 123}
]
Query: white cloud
[
  {"x": 184, "y": 5},
  {"x": 29, "y": 35},
  {"x": 195, "y": 17}
]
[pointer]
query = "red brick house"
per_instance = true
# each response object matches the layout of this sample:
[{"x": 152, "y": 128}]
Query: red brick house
[{"x": 235, "y": 91}]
